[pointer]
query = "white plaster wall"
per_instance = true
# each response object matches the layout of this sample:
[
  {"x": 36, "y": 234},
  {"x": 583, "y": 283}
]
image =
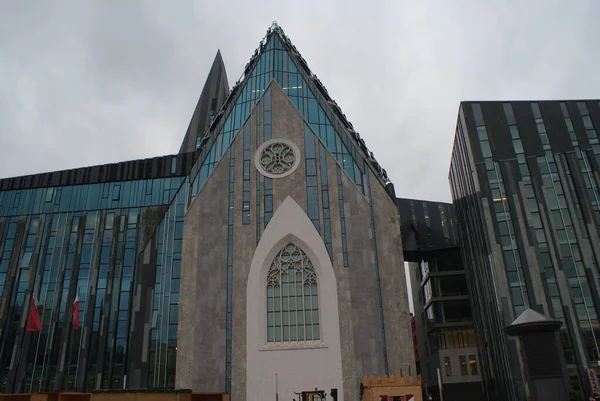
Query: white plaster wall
[{"x": 303, "y": 366}]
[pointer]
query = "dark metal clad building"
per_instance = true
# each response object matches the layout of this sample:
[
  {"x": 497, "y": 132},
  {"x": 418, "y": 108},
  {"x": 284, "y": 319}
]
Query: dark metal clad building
[
  {"x": 525, "y": 182},
  {"x": 447, "y": 352}
]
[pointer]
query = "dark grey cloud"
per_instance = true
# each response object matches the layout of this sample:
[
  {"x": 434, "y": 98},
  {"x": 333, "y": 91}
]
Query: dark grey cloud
[{"x": 87, "y": 82}]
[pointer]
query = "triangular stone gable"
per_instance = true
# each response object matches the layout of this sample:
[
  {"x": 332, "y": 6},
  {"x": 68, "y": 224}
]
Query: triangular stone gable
[{"x": 276, "y": 58}]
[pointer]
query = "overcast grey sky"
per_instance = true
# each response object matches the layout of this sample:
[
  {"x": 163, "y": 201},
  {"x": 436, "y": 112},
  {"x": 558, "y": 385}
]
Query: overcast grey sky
[{"x": 94, "y": 82}]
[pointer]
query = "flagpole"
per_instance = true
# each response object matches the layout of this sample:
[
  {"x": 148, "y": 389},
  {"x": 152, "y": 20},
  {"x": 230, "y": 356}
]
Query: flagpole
[
  {"x": 87, "y": 285},
  {"x": 38, "y": 344},
  {"x": 20, "y": 365},
  {"x": 35, "y": 358},
  {"x": 27, "y": 337},
  {"x": 68, "y": 358},
  {"x": 57, "y": 301},
  {"x": 43, "y": 314},
  {"x": 14, "y": 384},
  {"x": 52, "y": 326}
]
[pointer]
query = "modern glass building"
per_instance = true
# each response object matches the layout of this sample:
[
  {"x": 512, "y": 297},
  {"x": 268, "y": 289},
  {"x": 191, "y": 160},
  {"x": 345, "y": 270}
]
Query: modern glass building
[
  {"x": 447, "y": 351},
  {"x": 82, "y": 233},
  {"x": 266, "y": 255},
  {"x": 524, "y": 178}
]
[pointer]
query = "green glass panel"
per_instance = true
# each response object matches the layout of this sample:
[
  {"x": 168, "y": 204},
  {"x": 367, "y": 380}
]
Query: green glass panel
[{"x": 276, "y": 63}]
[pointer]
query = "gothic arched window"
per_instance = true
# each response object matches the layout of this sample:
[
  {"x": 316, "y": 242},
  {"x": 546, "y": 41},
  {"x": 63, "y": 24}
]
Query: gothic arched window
[{"x": 292, "y": 297}]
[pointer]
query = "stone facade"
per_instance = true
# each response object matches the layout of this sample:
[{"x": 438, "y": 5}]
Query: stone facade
[{"x": 356, "y": 342}]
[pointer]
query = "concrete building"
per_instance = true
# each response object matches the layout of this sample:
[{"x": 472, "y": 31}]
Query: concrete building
[
  {"x": 447, "y": 349},
  {"x": 265, "y": 257},
  {"x": 524, "y": 177}
]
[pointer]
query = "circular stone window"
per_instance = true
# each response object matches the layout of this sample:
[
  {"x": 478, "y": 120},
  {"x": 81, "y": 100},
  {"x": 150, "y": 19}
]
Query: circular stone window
[{"x": 277, "y": 158}]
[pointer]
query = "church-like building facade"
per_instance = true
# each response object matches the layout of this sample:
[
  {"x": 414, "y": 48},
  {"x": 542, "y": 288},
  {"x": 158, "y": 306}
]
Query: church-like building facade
[
  {"x": 265, "y": 258},
  {"x": 314, "y": 294}
]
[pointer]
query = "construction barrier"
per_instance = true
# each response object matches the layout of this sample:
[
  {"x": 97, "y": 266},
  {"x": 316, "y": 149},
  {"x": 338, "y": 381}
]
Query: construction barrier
[{"x": 391, "y": 388}]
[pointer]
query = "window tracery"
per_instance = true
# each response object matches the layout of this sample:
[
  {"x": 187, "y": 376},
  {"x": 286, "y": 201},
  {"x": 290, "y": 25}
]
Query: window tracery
[
  {"x": 292, "y": 297},
  {"x": 277, "y": 158}
]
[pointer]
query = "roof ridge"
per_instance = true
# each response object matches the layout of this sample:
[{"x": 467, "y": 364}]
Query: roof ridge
[{"x": 319, "y": 91}]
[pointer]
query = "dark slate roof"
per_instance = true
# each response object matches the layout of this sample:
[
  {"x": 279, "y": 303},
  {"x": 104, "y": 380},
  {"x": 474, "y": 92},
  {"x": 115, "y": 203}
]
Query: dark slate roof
[
  {"x": 213, "y": 95},
  {"x": 426, "y": 226},
  {"x": 157, "y": 167}
]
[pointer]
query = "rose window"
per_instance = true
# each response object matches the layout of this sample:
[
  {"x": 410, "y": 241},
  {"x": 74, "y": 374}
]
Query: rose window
[{"x": 277, "y": 158}]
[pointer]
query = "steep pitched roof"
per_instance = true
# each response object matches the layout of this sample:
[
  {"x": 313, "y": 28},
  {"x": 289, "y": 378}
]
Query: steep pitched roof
[
  {"x": 277, "y": 59},
  {"x": 216, "y": 89}
]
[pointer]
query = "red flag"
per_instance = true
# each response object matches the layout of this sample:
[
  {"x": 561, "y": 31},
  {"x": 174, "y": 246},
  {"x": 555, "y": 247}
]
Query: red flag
[
  {"x": 76, "y": 312},
  {"x": 34, "y": 323}
]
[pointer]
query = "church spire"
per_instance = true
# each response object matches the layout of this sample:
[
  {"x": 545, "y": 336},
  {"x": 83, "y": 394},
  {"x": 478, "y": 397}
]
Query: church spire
[{"x": 213, "y": 94}]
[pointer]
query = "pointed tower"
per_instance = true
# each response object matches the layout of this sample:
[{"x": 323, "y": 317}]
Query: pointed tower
[
  {"x": 292, "y": 273},
  {"x": 213, "y": 94}
]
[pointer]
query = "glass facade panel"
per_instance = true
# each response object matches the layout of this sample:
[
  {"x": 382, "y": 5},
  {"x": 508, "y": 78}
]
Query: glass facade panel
[
  {"x": 473, "y": 365},
  {"x": 165, "y": 304},
  {"x": 275, "y": 62},
  {"x": 542, "y": 195},
  {"x": 104, "y": 259},
  {"x": 89, "y": 197},
  {"x": 292, "y": 297},
  {"x": 447, "y": 366},
  {"x": 312, "y": 196},
  {"x": 77, "y": 242}
]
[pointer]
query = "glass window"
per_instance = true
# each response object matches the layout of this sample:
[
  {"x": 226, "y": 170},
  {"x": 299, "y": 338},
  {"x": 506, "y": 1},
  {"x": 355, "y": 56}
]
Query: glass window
[
  {"x": 583, "y": 110},
  {"x": 536, "y": 220},
  {"x": 503, "y": 228},
  {"x": 536, "y": 110},
  {"x": 116, "y": 192},
  {"x": 463, "y": 365},
  {"x": 486, "y": 151},
  {"x": 473, "y": 364},
  {"x": 292, "y": 297},
  {"x": 447, "y": 366},
  {"x": 545, "y": 259},
  {"x": 489, "y": 163},
  {"x": 26, "y": 259},
  {"x": 49, "y": 194},
  {"x": 587, "y": 122},
  {"x": 518, "y": 146},
  {"x": 482, "y": 133},
  {"x": 478, "y": 114},
  {"x": 509, "y": 258},
  {"x": 517, "y": 295},
  {"x": 508, "y": 110}
]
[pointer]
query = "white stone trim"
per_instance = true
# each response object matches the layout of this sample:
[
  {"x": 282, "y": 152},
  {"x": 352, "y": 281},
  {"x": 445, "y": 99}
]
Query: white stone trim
[
  {"x": 291, "y": 144},
  {"x": 293, "y": 345},
  {"x": 299, "y": 365}
]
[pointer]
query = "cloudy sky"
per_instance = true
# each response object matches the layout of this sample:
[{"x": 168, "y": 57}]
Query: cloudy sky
[{"x": 94, "y": 82}]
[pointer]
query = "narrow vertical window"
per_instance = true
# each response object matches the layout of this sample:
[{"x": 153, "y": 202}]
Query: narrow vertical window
[
  {"x": 246, "y": 176},
  {"x": 292, "y": 297},
  {"x": 473, "y": 364},
  {"x": 447, "y": 366},
  {"x": 463, "y": 365},
  {"x": 116, "y": 192}
]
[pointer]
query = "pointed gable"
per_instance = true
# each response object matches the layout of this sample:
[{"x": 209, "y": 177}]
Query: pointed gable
[{"x": 277, "y": 59}]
